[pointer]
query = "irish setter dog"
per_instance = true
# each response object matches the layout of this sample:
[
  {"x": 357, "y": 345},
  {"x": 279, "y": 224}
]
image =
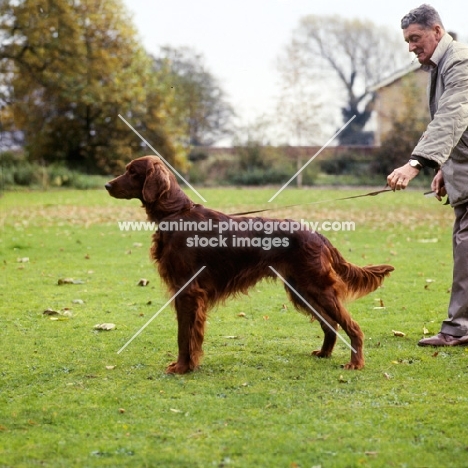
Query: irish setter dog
[{"x": 237, "y": 252}]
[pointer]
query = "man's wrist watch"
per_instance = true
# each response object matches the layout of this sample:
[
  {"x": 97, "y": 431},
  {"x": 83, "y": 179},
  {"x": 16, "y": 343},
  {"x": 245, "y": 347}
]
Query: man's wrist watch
[{"x": 415, "y": 163}]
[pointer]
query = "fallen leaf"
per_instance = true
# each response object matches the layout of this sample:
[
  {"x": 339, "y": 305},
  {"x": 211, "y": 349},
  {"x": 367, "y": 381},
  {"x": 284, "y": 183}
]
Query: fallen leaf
[
  {"x": 143, "y": 282},
  {"x": 23, "y": 260},
  {"x": 50, "y": 312},
  {"x": 110, "y": 367},
  {"x": 175, "y": 410},
  {"x": 435, "y": 354},
  {"x": 121, "y": 411},
  {"x": 105, "y": 326},
  {"x": 137, "y": 244},
  {"x": 241, "y": 314},
  {"x": 387, "y": 376},
  {"x": 398, "y": 333},
  {"x": 266, "y": 317},
  {"x": 381, "y": 303},
  {"x": 77, "y": 301},
  {"x": 63, "y": 281},
  {"x": 55, "y": 315},
  {"x": 425, "y": 331}
]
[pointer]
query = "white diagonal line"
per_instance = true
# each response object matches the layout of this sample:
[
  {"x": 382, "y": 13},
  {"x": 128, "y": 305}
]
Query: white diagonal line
[
  {"x": 161, "y": 309},
  {"x": 159, "y": 155},
  {"x": 313, "y": 310},
  {"x": 312, "y": 158}
]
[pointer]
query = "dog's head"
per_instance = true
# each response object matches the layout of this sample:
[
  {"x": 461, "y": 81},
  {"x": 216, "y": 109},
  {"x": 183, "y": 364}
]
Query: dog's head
[{"x": 145, "y": 178}]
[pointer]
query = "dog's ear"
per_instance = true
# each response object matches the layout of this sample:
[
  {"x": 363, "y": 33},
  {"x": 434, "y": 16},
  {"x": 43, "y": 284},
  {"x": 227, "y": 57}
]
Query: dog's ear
[{"x": 157, "y": 181}]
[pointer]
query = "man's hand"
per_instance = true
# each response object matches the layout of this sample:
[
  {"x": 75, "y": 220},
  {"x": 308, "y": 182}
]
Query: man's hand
[
  {"x": 399, "y": 178},
  {"x": 438, "y": 185}
]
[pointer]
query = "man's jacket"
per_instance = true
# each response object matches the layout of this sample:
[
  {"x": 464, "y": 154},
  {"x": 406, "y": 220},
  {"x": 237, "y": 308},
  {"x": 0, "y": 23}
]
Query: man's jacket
[{"x": 446, "y": 139}]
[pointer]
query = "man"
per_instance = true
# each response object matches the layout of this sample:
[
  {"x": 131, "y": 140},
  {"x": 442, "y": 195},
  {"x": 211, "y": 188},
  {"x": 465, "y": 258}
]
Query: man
[{"x": 443, "y": 146}]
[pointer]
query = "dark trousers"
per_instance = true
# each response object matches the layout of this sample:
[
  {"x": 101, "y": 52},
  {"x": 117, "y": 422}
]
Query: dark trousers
[{"x": 457, "y": 322}]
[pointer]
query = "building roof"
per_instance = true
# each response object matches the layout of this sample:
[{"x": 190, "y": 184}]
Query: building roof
[{"x": 412, "y": 67}]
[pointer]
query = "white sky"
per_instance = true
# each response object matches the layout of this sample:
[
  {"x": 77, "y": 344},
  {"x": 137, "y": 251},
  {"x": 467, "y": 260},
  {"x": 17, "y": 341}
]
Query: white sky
[{"x": 241, "y": 39}]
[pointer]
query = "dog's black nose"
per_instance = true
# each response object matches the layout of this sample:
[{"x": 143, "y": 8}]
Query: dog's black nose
[{"x": 108, "y": 186}]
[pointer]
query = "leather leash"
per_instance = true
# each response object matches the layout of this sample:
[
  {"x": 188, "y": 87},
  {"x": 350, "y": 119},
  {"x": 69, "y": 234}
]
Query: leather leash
[{"x": 370, "y": 194}]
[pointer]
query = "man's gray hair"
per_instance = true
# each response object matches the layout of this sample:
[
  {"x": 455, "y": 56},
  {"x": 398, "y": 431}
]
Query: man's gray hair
[{"x": 425, "y": 15}]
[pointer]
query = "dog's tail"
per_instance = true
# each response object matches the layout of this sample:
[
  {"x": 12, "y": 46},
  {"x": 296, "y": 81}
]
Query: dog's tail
[{"x": 356, "y": 281}]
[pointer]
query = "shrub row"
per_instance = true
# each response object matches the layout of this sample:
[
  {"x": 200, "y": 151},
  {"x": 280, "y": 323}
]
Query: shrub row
[{"x": 16, "y": 171}]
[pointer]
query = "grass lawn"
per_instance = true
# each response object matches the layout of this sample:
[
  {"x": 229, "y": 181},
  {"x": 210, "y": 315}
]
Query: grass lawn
[{"x": 259, "y": 399}]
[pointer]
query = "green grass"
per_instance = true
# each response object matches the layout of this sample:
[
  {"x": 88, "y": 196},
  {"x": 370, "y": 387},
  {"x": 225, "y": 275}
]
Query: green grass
[{"x": 259, "y": 398}]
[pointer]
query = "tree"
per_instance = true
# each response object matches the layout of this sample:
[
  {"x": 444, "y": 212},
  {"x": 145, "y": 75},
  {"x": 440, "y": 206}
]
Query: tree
[
  {"x": 69, "y": 69},
  {"x": 359, "y": 54},
  {"x": 299, "y": 104},
  {"x": 201, "y": 105},
  {"x": 408, "y": 125}
]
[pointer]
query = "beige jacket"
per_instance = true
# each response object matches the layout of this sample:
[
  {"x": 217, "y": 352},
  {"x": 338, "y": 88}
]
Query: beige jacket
[{"x": 446, "y": 138}]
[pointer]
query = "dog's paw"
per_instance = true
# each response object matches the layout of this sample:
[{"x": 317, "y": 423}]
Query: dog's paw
[
  {"x": 353, "y": 365},
  {"x": 178, "y": 368},
  {"x": 321, "y": 354}
]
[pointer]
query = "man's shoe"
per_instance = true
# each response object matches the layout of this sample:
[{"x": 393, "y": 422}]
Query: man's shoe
[{"x": 442, "y": 339}]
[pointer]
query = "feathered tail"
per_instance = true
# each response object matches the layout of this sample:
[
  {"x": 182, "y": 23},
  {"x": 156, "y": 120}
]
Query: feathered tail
[{"x": 356, "y": 281}]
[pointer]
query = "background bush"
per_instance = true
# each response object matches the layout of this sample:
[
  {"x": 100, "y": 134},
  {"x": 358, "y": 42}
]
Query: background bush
[{"x": 16, "y": 170}]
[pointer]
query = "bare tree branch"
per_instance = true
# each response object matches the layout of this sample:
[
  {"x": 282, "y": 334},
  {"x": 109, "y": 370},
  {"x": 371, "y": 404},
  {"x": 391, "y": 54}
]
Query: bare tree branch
[{"x": 357, "y": 52}]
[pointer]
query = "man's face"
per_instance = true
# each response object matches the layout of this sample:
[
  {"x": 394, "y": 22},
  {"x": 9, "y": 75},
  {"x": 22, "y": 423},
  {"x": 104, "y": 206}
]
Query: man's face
[{"x": 422, "y": 42}]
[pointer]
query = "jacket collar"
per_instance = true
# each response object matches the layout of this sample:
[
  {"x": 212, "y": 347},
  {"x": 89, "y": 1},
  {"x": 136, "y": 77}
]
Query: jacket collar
[{"x": 439, "y": 52}]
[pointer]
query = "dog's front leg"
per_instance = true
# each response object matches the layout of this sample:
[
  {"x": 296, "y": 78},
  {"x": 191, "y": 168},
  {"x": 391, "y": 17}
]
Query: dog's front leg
[{"x": 191, "y": 316}]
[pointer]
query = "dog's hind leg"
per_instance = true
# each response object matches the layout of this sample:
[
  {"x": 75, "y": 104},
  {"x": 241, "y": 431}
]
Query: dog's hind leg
[
  {"x": 336, "y": 314},
  {"x": 329, "y": 328},
  {"x": 353, "y": 330},
  {"x": 191, "y": 317},
  {"x": 314, "y": 307},
  {"x": 325, "y": 306}
]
